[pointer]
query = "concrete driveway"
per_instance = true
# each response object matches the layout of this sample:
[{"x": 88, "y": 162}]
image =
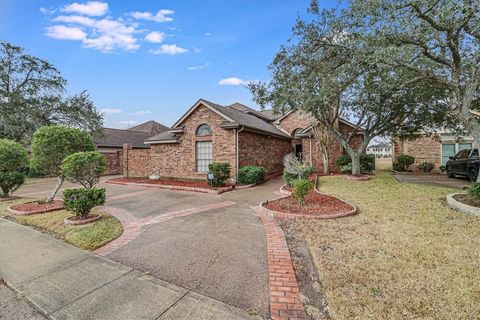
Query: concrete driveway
[
  {"x": 434, "y": 180},
  {"x": 219, "y": 252}
]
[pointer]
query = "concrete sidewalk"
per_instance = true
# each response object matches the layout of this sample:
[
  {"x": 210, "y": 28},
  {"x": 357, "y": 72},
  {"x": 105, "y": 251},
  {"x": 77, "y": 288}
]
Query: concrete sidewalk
[{"x": 64, "y": 282}]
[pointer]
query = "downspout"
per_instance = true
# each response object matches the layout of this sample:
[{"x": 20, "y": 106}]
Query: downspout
[{"x": 236, "y": 142}]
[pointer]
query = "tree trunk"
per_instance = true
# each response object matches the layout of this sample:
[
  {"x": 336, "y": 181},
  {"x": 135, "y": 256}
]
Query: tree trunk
[
  {"x": 57, "y": 187},
  {"x": 355, "y": 164},
  {"x": 326, "y": 160}
]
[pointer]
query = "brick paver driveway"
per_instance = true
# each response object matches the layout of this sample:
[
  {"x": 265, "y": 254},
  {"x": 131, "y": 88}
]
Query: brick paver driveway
[{"x": 210, "y": 244}]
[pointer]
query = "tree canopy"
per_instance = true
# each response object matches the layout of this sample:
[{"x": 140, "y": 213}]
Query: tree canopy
[{"x": 32, "y": 94}]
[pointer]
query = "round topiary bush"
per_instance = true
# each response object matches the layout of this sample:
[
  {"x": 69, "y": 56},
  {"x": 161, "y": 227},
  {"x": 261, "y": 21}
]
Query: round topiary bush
[
  {"x": 82, "y": 201},
  {"x": 13, "y": 161},
  {"x": 426, "y": 166},
  {"x": 84, "y": 168}
]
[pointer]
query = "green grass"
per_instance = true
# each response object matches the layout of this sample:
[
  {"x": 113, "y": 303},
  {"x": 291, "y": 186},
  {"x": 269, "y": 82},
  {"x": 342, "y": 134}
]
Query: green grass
[
  {"x": 406, "y": 255},
  {"x": 89, "y": 237}
]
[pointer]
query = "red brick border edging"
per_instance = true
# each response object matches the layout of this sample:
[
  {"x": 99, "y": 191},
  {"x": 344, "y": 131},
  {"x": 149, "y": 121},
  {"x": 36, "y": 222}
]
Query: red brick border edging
[
  {"x": 27, "y": 213},
  {"x": 283, "y": 287},
  {"x": 172, "y": 187}
]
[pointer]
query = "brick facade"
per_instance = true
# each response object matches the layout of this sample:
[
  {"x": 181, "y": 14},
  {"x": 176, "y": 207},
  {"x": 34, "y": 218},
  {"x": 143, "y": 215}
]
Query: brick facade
[
  {"x": 423, "y": 149},
  {"x": 261, "y": 150},
  {"x": 114, "y": 162},
  {"x": 177, "y": 160}
]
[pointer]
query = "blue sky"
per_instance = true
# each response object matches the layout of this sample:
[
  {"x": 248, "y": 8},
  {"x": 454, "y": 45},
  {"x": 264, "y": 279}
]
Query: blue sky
[{"x": 143, "y": 60}]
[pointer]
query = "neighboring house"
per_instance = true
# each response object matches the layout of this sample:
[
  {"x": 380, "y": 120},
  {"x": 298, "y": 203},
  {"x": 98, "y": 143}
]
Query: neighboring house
[
  {"x": 236, "y": 134},
  {"x": 436, "y": 148},
  {"x": 381, "y": 150},
  {"x": 110, "y": 144}
]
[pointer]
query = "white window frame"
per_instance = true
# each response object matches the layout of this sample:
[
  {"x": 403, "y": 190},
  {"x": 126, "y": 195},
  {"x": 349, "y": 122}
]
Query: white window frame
[{"x": 208, "y": 160}]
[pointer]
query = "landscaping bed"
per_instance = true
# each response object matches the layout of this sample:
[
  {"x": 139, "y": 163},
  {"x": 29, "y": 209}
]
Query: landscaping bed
[
  {"x": 198, "y": 186},
  {"x": 35, "y": 207},
  {"x": 89, "y": 237},
  {"x": 461, "y": 202},
  {"x": 9, "y": 198}
]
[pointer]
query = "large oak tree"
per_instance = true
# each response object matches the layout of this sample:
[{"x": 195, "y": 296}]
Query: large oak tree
[{"x": 32, "y": 95}]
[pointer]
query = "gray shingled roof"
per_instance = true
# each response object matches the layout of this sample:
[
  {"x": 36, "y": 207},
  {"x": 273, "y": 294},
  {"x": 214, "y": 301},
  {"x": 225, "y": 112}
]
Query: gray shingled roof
[
  {"x": 247, "y": 120},
  {"x": 243, "y": 108},
  {"x": 117, "y": 137},
  {"x": 164, "y": 136},
  {"x": 151, "y": 127}
]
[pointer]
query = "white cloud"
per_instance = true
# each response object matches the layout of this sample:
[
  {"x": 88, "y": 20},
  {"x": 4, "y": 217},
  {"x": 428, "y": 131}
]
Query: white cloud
[
  {"x": 233, "y": 81},
  {"x": 142, "y": 112},
  {"x": 199, "y": 67},
  {"x": 162, "y": 15},
  {"x": 91, "y": 8},
  {"x": 155, "y": 37},
  {"x": 110, "y": 111},
  {"x": 85, "y": 21},
  {"x": 197, "y": 50},
  {"x": 66, "y": 33},
  {"x": 208, "y": 34},
  {"x": 44, "y": 10},
  {"x": 171, "y": 49}
]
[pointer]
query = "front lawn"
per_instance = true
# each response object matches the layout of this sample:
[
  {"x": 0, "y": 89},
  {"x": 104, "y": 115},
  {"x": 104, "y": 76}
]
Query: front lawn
[
  {"x": 88, "y": 237},
  {"x": 406, "y": 255}
]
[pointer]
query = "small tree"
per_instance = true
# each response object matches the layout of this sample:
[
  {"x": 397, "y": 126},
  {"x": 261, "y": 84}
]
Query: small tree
[
  {"x": 84, "y": 168},
  {"x": 301, "y": 187},
  {"x": 13, "y": 158},
  {"x": 52, "y": 144},
  {"x": 295, "y": 169}
]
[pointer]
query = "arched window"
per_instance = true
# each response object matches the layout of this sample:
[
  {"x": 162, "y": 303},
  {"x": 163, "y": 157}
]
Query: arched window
[
  {"x": 204, "y": 130},
  {"x": 296, "y": 132}
]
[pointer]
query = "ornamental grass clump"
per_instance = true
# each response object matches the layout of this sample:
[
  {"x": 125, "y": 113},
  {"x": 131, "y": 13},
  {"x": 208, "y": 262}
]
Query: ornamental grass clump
[
  {"x": 300, "y": 188},
  {"x": 295, "y": 169}
]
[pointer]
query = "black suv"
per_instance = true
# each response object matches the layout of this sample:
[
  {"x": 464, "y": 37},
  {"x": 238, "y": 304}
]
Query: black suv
[{"x": 465, "y": 163}]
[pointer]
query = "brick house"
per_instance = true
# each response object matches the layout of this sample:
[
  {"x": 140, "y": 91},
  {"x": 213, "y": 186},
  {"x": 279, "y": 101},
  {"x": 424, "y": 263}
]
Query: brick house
[
  {"x": 436, "y": 148},
  {"x": 236, "y": 134},
  {"x": 110, "y": 143}
]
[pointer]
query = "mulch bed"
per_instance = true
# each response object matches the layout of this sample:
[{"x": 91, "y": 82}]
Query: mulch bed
[
  {"x": 463, "y": 199},
  {"x": 191, "y": 184},
  {"x": 35, "y": 207},
  {"x": 76, "y": 220},
  {"x": 315, "y": 204}
]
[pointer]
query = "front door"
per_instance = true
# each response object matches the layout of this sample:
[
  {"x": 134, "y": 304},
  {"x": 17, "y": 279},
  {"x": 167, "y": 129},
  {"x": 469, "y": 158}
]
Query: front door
[{"x": 298, "y": 151}]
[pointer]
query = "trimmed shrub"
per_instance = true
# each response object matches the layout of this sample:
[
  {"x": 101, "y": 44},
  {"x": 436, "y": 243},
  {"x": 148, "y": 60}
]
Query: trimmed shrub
[
  {"x": 13, "y": 161},
  {"x": 251, "y": 174},
  {"x": 301, "y": 187},
  {"x": 82, "y": 201},
  {"x": 10, "y": 182},
  {"x": 397, "y": 166},
  {"x": 289, "y": 178},
  {"x": 442, "y": 168},
  {"x": 404, "y": 161},
  {"x": 13, "y": 157},
  {"x": 367, "y": 163},
  {"x": 221, "y": 173},
  {"x": 426, "y": 166},
  {"x": 473, "y": 194},
  {"x": 84, "y": 168}
]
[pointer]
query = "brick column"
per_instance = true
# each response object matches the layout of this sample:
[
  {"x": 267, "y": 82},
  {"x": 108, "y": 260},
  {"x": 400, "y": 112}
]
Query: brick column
[{"x": 126, "y": 148}]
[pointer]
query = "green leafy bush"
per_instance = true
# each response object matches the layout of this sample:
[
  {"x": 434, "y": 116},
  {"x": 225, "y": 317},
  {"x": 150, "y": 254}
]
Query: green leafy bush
[
  {"x": 84, "y": 168},
  {"x": 251, "y": 174},
  {"x": 294, "y": 169},
  {"x": 300, "y": 189},
  {"x": 343, "y": 161},
  {"x": 221, "y": 173},
  {"x": 13, "y": 157},
  {"x": 404, "y": 161},
  {"x": 13, "y": 161},
  {"x": 442, "y": 168},
  {"x": 10, "y": 182},
  {"x": 367, "y": 163},
  {"x": 82, "y": 201},
  {"x": 397, "y": 166},
  {"x": 473, "y": 194},
  {"x": 289, "y": 178},
  {"x": 426, "y": 166}
]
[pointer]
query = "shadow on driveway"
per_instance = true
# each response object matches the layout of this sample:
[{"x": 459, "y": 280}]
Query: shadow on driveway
[{"x": 434, "y": 180}]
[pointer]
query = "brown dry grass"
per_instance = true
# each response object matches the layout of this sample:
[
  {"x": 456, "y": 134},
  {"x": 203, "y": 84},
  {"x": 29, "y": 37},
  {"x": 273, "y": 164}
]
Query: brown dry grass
[{"x": 405, "y": 256}]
